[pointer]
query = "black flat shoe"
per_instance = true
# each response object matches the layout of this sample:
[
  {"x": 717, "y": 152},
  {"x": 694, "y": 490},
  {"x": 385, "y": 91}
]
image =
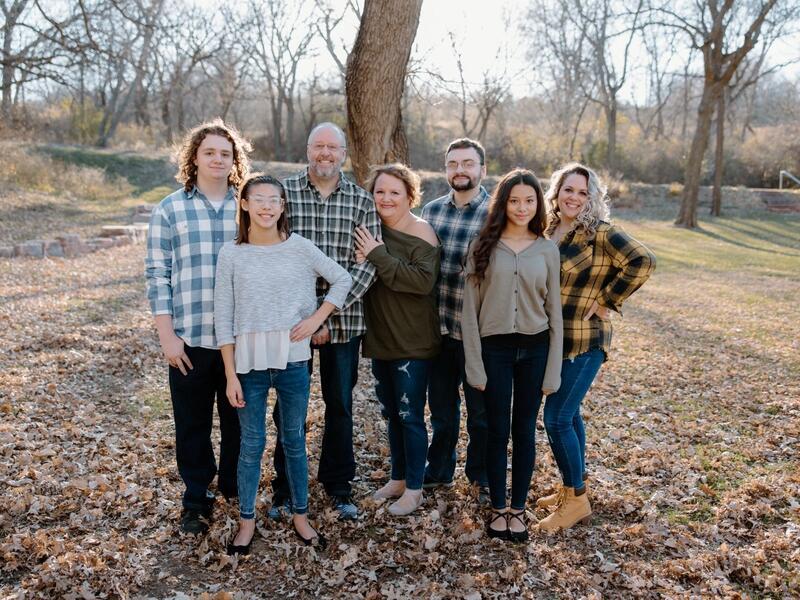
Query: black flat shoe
[
  {"x": 241, "y": 550},
  {"x": 501, "y": 534},
  {"x": 517, "y": 536},
  {"x": 319, "y": 540}
]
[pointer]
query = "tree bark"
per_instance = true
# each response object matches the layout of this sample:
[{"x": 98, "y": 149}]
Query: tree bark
[
  {"x": 611, "y": 135},
  {"x": 11, "y": 16},
  {"x": 376, "y": 71},
  {"x": 719, "y": 161},
  {"x": 687, "y": 217}
]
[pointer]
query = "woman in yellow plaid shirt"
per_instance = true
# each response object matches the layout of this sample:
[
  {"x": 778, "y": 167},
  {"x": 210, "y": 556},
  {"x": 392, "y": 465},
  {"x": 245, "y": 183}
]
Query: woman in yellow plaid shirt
[{"x": 601, "y": 266}]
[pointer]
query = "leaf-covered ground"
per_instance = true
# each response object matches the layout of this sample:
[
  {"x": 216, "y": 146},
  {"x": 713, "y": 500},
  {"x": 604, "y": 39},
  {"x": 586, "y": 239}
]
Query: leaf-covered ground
[{"x": 693, "y": 448}]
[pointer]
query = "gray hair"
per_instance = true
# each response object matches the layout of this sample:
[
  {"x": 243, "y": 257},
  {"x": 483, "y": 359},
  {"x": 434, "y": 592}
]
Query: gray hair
[
  {"x": 328, "y": 125},
  {"x": 593, "y": 212}
]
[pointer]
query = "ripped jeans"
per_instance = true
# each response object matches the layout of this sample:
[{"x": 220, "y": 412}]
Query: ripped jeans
[
  {"x": 401, "y": 388},
  {"x": 292, "y": 387}
]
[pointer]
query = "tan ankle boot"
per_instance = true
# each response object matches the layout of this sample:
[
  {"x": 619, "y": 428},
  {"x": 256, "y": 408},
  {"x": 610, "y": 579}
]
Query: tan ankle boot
[
  {"x": 571, "y": 510},
  {"x": 554, "y": 498}
]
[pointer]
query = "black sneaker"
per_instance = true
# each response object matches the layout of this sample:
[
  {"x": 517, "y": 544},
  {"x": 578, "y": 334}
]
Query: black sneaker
[
  {"x": 194, "y": 521},
  {"x": 346, "y": 508},
  {"x": 430, "y": 484}
]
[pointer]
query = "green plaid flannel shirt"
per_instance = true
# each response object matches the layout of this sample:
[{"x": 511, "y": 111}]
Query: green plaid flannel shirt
[
  {"x": 607, "y": 267},
  {"x": 330, "y": 224}
]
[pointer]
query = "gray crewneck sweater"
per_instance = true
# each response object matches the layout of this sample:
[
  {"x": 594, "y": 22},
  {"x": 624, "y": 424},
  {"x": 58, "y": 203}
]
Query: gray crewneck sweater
[{"x": 272, "y": 288}]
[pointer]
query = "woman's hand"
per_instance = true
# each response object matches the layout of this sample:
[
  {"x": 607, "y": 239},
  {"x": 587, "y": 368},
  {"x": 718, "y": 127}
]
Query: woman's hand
[
  {"x": 480, "y": 388},
  {"x": 360, "y": 258},
  {"x": 365, "y": 243},
  {"x": 233, "y": 390},
  {"x": 603, "y": 313},
  {"x": 305, "y": 328}
]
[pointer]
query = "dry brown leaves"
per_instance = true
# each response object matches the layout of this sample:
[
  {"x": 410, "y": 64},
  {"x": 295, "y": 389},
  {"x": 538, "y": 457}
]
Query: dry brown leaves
[{"x": 693, "y": 450}]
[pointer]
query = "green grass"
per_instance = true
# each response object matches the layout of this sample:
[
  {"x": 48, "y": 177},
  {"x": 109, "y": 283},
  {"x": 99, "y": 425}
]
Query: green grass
[
  {"x": 142, "y": 173},
  {"x": 758, "y": 243}
]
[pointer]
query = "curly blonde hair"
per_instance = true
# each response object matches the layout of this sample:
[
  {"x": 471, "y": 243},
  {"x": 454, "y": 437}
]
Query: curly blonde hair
[
  {"x": 399, "y": 171},
  {"x": 593, "y": 212},
  {"x": 186, "y": 154}
]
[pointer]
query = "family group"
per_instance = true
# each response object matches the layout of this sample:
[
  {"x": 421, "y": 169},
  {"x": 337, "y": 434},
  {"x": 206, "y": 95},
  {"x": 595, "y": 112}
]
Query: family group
[{"x": 507, "y": 296}]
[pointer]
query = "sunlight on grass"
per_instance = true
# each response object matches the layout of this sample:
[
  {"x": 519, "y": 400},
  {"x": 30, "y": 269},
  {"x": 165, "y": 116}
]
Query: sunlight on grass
[{"x": 758, "y": 244}]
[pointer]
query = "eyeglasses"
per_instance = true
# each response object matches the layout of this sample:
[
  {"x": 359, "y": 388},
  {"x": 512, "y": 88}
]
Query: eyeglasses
[
  {"x": 467, "y": 165},
  {"x": 328, "y": 147},
  {"x": 273, "y": 201}
]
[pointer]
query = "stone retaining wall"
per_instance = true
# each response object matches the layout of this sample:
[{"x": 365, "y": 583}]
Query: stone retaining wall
[{"x": 69, "y": 245}]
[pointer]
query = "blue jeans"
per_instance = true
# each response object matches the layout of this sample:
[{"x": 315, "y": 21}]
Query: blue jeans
[
  {"x": 292, "y": 387},
  {"x": 444, "y": 402},
  {"x": 519, "y": 372},
  {"x": 562, "y": 415},
  {"x": 338, "y": 372},
  {"x": 401, "y": 392}
]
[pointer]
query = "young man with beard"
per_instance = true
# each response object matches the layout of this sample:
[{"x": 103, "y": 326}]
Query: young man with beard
[
  {"x": 457, "y": 218},
  {"x": 325, "y": 207},
  {"x": 187, "y": 230}
]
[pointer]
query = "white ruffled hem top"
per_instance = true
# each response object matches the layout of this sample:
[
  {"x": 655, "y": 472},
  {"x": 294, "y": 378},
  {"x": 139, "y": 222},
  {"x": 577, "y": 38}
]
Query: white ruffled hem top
[{"x": 264, "y": 350}]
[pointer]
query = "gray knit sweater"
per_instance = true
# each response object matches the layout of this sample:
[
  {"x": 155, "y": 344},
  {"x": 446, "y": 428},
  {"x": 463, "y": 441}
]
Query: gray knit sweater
[{"x": 271, "y": 288}]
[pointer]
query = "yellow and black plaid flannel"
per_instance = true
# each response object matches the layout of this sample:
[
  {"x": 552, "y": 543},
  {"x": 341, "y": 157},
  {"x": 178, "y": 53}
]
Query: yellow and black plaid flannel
[{"x": 607, "y": 267}]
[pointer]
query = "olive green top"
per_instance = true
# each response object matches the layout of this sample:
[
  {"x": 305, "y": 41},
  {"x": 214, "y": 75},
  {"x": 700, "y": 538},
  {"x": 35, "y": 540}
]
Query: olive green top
[
  {"x": 400, "y": 307},
  {"x": 520, "y": 293}
]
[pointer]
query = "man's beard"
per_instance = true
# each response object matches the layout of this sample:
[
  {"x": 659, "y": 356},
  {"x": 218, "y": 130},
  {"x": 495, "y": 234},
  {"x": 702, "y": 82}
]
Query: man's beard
[
  {"x": 471, "y": 184},
  {"x": 327, "y": 171}
]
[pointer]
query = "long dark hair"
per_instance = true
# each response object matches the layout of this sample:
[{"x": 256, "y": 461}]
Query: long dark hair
[
  {"x": 243, "y": 217},
  {"x": 496, "y": 220}
]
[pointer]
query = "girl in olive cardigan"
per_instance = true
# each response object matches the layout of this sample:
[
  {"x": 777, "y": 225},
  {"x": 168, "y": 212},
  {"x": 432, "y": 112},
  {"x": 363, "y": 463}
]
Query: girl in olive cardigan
[{"x": 511, "y": 326}]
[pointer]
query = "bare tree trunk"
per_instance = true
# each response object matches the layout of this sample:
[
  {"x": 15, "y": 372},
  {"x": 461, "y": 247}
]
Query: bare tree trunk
[
  {"x": 719, "y": 161},
  {"x": 374, "y": 83},
  {"x": 611, "y": 135},
  {"x": 687, "y": 217},
  {"x": 11, "y": 14}
]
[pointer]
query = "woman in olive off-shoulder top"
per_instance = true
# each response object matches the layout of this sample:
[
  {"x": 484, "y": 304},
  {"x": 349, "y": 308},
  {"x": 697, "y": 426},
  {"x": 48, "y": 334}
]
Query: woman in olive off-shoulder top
[{"x": 402, "y": 326}]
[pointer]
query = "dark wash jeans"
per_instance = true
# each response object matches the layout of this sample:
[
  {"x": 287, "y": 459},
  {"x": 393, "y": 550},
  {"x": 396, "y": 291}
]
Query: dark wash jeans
[
  {"x": 338, "y": 372},
  {"x": 193, "y": 397},
  {"x": 516, "y": 372},
  {"x": 444, "y": 402},
  {"x": 562, "y": 415},
  {"x": 400, "y": 389}
]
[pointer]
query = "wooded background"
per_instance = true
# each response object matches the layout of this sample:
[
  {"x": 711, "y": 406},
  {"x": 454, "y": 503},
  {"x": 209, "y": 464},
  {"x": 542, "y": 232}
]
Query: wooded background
[{"x": 721, "y": 102}]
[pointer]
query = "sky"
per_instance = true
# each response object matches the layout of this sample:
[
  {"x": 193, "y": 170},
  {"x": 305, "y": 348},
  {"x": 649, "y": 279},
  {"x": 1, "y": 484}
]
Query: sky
[{"x": 487, "y": 33}]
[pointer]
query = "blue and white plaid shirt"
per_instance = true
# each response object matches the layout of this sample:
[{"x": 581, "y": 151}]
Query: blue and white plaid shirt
[
  {"x": 184, "y": 239},
  {"x": 456, "y": 228}
]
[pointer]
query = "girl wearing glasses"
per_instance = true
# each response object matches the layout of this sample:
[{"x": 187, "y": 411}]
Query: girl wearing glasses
[{"x": 265, "y": 310}]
